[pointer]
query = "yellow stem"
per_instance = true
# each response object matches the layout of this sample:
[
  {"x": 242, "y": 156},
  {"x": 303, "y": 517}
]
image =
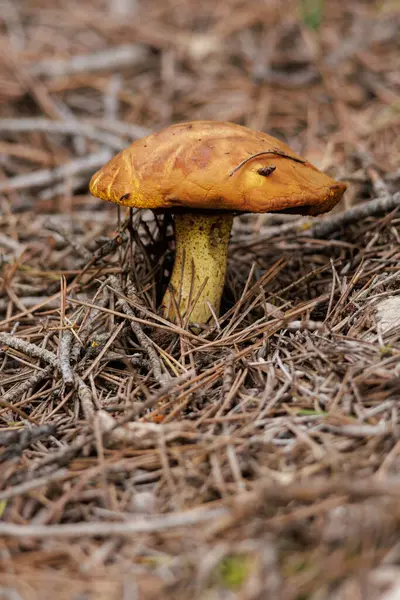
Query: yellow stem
[{"x": 198, "y": 275}]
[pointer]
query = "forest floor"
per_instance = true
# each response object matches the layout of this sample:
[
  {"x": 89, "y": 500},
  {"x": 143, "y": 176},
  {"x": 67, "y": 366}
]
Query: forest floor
[{"x": 258, "y": 457}]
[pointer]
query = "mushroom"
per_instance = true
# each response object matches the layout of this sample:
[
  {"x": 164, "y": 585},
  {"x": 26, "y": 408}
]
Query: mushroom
[{"x": 205, "y": 172}]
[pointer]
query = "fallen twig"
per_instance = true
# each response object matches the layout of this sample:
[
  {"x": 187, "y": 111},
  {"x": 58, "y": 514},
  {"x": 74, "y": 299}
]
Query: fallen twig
[
  {"x": 26, "y": 436},
  {"x": 121, "y": 56},
  {"x": 45, "y": 176},
  {"x": 33, "y": 484},
  {"x": 85, "y": 397},
  {"x": 308, "y": 492},
  {"x": 63, "y": 232},
  {"x": 88, "y": 324},
  {"x": 372, "y": 208},
  {"x": 65, "y": 357},
  {"x": 126, "y": 529},
  {"x": 144, "y": 341},
  {"x": 27, "y": 348},
  {"x": 19, "y": 390},
  {"x": 63, "y": 127},
  {"x": 11, "y": 244}
]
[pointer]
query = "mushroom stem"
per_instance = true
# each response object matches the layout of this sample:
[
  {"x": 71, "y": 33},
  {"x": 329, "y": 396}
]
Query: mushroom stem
[{"x": 198, "y": 276}]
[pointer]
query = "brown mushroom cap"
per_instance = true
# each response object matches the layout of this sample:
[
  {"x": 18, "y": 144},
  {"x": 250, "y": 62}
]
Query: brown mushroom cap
[{"x": 208, "y": 165}]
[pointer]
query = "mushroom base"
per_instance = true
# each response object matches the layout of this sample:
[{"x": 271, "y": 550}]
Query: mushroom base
[{"x": 198, "y": 276}]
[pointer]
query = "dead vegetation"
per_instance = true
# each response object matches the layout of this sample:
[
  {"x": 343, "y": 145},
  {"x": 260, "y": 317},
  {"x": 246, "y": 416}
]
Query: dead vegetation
[{"x": 258, "y": 457}]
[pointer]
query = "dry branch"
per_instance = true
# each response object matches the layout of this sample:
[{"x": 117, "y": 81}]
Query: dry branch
[
  {"x": 35, "y": 379},
  {"x": 86, "y": 400},
  {"x": 65, "y": 358},
  {"x": 372, "y": 208},
  {"x": 127, "y": 55},
  {"x": 43, "y": 177},
  {"x": 61, "y": 127},
  {"x": 27, "y": 486},
  {"x": 27, "y": 348},
  {"x": 151, "y": 524},
  {"x": 26, "y": 437}
]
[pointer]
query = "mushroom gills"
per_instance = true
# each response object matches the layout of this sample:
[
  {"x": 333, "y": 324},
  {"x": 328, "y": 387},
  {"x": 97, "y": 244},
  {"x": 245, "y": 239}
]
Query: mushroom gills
[{"x": 198, "y": 275}]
